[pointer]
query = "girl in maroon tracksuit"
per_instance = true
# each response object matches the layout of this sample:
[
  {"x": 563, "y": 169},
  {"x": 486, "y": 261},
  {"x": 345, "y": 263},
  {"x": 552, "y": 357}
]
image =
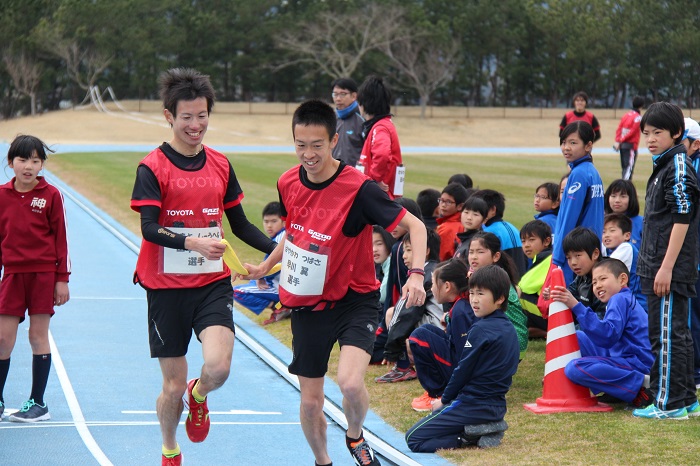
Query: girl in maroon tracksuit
[{"x": 36, "y": 266}]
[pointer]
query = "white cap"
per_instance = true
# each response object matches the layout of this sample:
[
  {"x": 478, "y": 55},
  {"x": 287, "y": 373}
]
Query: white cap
[{"x": 692, "y": 129}]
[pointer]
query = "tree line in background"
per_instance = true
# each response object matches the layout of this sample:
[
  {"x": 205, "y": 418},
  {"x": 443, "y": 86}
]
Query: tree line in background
[{"x": 438, "y": 52}]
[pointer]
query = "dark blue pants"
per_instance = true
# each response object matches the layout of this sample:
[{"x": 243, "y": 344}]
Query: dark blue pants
[
  {"x": 672, "y": 346},
  {"x": 443, "y": 428},
  {"x": 694, "y": 324},
  {"x": 433, "y": 358}
]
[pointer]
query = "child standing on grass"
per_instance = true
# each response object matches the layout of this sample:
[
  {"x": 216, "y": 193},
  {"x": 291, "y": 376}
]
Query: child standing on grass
[
  {"x": 668, "y": 265},
  {"x": 36, "y": 266},
  {"x": 485, "y": 249},
  {"x": 621, "y": 198},
  {"x": 615, "y": 351},
  {"x": 261, "y": 294},
  {"x": 582, "y": 200},
  {"x": 691, "y": 141},
  {"x": 472, "y": 408}
]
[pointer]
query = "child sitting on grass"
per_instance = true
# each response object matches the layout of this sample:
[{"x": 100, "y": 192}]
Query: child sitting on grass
[
  {"x": 261, "y": 294},
  {"x": 434, "y": 350},
  {"x": 472, "y": 408},
  {"x": 537, "y": 246},
  {"x": 615, "y": 351},
  {"x": 401, "y": 320},
  {"x": 547, "y": 204},
  {"x": 474, "y": 214},
  {"x": 582, "y": 249},
  {"x": 617, "y": 231},
  {"x": 485, "y": 249}
]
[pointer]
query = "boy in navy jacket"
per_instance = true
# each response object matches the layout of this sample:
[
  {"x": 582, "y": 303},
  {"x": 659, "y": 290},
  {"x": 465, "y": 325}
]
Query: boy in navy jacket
[
  {"x": 668, "y": 264},
  {"x": 473, "y": 405}
]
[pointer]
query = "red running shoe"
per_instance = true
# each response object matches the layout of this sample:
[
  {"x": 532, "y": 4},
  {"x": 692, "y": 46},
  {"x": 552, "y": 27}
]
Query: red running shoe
[
  {"x": 197, "y": 423},
  {"x": 173, "y": 461}
]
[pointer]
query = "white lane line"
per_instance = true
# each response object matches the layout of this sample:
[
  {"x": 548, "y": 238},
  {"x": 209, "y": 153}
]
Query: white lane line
[
  {"x": 50, "y": 424},
  {"x": 107, "y": 298},
  {"x": 76, "y": 412},
  {"x": 231, "y": 412}
]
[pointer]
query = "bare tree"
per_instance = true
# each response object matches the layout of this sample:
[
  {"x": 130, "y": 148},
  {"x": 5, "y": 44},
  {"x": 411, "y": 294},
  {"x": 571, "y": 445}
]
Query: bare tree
[
  {"x": 337, "y": 43},
  {"x": 25, "y": 74},
  {"x": 83, "y": 64},
  {"x": 423, "y": 64}
]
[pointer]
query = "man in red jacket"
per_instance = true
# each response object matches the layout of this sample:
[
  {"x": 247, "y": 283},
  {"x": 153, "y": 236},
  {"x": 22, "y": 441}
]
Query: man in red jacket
[{"x": 627, "y": 137}]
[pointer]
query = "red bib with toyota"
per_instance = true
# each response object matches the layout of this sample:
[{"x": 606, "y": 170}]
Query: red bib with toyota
[
  {"x": 316, "y": 249},
  {"x": 192, "y": 205}
]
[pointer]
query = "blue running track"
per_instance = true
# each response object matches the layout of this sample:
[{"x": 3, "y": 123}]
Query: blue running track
[{"x": 103, "y": 384}]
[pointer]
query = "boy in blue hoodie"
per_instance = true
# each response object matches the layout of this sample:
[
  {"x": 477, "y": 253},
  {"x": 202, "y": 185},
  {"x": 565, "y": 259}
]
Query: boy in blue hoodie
[{"x": 615, "y": 351}]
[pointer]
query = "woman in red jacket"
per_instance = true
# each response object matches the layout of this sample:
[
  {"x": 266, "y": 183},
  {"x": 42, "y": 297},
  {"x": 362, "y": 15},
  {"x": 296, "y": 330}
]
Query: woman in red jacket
[{"x": 381, "y": 153}]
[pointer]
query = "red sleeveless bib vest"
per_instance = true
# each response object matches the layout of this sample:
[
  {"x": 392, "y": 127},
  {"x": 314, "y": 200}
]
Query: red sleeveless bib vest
[
  {"x": 192, "y": 200},
  {"x": 319, "y": 262}
]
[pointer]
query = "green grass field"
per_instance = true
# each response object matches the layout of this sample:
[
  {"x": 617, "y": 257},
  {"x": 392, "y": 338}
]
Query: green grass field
[{"x": 575, "y": 438}]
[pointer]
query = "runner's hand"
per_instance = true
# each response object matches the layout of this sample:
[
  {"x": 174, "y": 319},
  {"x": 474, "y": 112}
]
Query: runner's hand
[
  {"x": 413, "y": 290},
  {"x": 210, "y": 248}
]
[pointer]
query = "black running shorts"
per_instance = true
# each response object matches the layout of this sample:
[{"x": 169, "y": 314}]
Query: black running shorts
[
  {"x": 174, "y": 313},
  {"x": 352, "y": 321}
]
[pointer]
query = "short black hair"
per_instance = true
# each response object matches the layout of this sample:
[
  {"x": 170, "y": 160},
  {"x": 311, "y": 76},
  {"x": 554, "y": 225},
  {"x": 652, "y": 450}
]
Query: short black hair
[
  {"x": 583, "y": 128},
  {"x": 386, "y": 236},
  {"x": 178, "y": 84},
  {"x": 461, "y": 178},
  {"x": 536, "y": 228},
  {"x": 638, "y": 102},
  {"x": 427, "y": 200},
  {"x": 621, "y": 220},
  {"x": 494, "y": 279},
  {"x": 581, "y": 94},
  {"x": 24, "y": 146},
  {"x": 374, "y": 96},
  {"x": 581, "y": 239},
  {"x": 493, "y": 244},
  {"x": 552, "y": 190},
  {"x": 348, "y": 84},
  {"x": 615, "y": 266},
  {"x": 432, "y": 243},
  {"x": 624, "y": 187},
  {"x": 665, "y": 115},
  {"x": 272, "y": 208},
  {"x": 315, "y": 113},
  {"x": 410, "y": 205},
  {"x": 493, "y": 198},
  {"x": 457, "y": 191},
  {"x": 477, "y": 204}
]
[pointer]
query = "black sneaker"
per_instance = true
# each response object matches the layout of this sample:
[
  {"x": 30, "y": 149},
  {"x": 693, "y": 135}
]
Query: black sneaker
[
  {"x": 490, "y": 440},
  {"x": 477, "y": 430},
  {"x": 31, "y": 412},
  {"x": 643, "y": 398},
  {"x": 362, "y": 453},
  {"x": 2, "y": 410}
]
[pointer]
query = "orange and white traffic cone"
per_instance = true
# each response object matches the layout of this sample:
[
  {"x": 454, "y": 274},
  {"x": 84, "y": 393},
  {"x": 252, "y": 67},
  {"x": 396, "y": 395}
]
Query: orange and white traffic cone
[{"x": 559, "y": 394}]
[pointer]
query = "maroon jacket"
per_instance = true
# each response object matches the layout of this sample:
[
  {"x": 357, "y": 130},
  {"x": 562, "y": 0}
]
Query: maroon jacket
[{"x": 33, "y": 236}]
